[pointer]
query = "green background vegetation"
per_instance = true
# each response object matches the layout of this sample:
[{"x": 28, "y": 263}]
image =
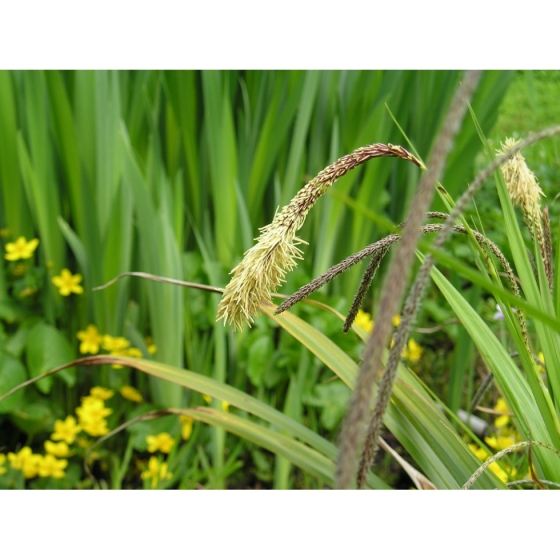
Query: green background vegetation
[{"x": 172, "y": 173}]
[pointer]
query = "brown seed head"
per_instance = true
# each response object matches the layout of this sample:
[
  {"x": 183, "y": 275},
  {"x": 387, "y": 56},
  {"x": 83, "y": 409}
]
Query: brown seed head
[{"x": 266, "y": 264}]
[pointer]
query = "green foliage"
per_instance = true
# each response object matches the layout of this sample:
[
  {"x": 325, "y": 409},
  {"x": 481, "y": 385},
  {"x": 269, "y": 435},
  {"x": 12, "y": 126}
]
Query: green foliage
[
  {"x": 172, "y": 173},
  {"x": 47, "y": 348}
]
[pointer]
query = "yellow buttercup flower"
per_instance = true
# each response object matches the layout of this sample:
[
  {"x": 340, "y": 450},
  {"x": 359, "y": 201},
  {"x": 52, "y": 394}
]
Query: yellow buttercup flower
[
  {"x": 119, "y": 346},
  {"x": 91, "y": 339},
  {"x": 541, "y": 358},
  {"x": 101, "y": 393},
  {"x": 162, "y": 442},
  {"x": 68, "y": 283},
  {"x": 186, "y": 428},
  {"x": 114, "y": 343},
  {"x": 129, "y": 352},
  {"x": 66, "y": 430},
  {"x": 225, "y": 406},
  {"x": 20, "y": 249},
  {"x": 51, "y": 466},
  {"x": 134, "y": 353},
  {"x": 363, "y": 320},
  {"x": 207, "y": 399},
  {"x": 3, "y": 470},
  {"x": 413, "y": 351},
  {"x": 131, "y": 394},
  {"x": 503, "y": 420},
  {"x": 478, "y": 451},
  {"x": 500, "y": 442},
  {"x": 92, "y": 415},
  {"x": 26, "y": 461},
  {"x": 156, "y": 472},
  {"x": 497, "y": 469},
  {"x": 57, "y": 449}
]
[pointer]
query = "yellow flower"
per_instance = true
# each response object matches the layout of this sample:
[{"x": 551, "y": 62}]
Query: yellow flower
[
  {"x": 114, "y": 343},
  {"x": 21, "y": 249},
  {"x": 503, "y": 474},
  {"x": 186, "y": 428},
  {"x": 94, "y": 407},
  {"x": 156, "y": 472},
  {"x": 479, "y": 452},
  {"x": 396, "y": 320},
  {"x": 66, "y": 430},
  {"x": 500, "y": 442},
  {"x": 91, "y": 339},
  {"x": 225, "y": 406},
  {"x": 413, "y": 352},
  {"x": 51, "y": 466},
  {"x": 207, "y": 399},
  {"x": 119, "y": 346},
  {"x": 134, "y": 353},
  {"x": 92, "y": 415},
  {"x": 363, "y": 320},
  {"x": 68, "y": 283},
  {"x": 541, "y": 358},
  {"x": 3, "y": 470},
  {"x": 57, "y": 449},
  {"x": 501, "y": 405},
  {"x": 26, "y": 461},
  {"x": 162, "y": 442},
  {"x": 131, "y": 394},
  {"x": 101, "y": 393},
  {"x": 503, "y": 420},
  {"x": 95, "y": 428}
]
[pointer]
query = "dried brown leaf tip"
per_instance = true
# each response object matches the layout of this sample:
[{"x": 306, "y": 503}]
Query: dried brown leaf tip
[{"x": 266, "y": 264}]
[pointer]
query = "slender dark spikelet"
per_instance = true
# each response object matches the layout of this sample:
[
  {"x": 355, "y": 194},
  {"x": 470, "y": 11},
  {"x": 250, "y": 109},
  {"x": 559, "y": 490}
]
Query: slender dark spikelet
[
  {"x": 548, "y": 249},
  {"x": 266, "y": 264},
  {"x": 335, "y": 270},
  {"x": 409, "y": 312},
  {"x": 421, "y": 280},
  {"x": 484, "y": 386},
  {"x": 367, "y": 279},
  {"x": 353, "y": 427},
  {"x": 381, "y": 246}
]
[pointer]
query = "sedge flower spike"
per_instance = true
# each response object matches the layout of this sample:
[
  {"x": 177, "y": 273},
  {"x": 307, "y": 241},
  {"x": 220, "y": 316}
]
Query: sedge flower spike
[
  {"x": 266, "y": 264},
  {"x": 524, "y": 191},
  {"x": 522, "y": 185}
]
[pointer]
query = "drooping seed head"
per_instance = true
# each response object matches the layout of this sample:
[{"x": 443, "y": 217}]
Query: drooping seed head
[{"x": 265, "y": 265}]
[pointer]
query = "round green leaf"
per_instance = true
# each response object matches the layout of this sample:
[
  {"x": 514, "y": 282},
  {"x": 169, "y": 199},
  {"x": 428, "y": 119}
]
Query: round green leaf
[
  {"x": 12, "y": 373},
  {"x": 47, "y": 348}
]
